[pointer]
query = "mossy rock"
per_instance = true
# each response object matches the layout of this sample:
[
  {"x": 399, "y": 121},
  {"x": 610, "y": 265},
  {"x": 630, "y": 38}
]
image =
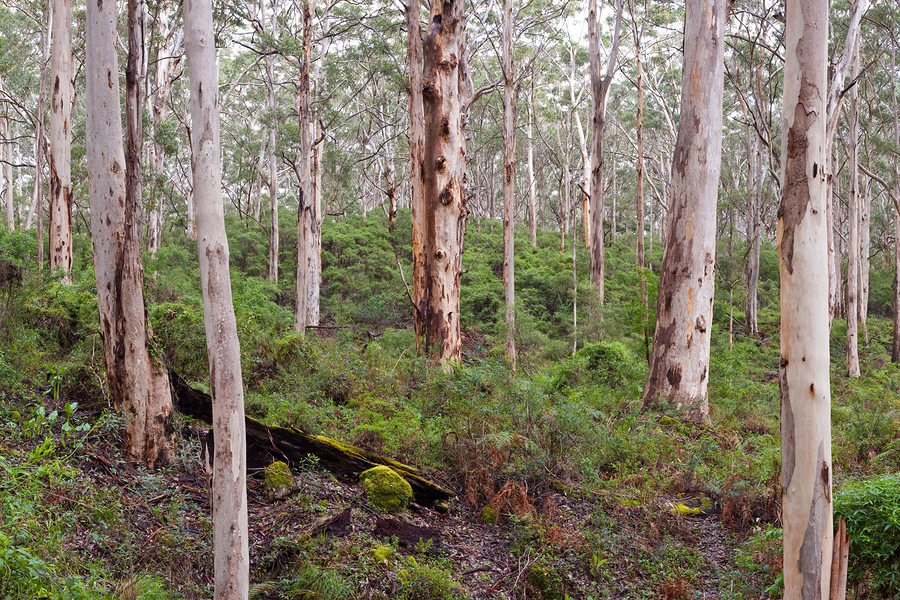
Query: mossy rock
[
  {"x": 383, "y": 554},
  {"x": 279, "y": 482},
  {"x": 546, "y": 581},
  {"x": 489, "y": 515},
  {"x": 698, "y": 505},
  {"x": 384, "y": 488}
]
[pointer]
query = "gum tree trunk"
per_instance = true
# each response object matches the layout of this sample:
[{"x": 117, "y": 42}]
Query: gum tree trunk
[
  {"x": 443, "y": 166},
  {"x": 8, "y": 170},
  {"x": 138, "y": 382},
  {"x": 853, "y": 235},
  {"x": 599, "y": 89},
  {"x": 416, "y": 156},
  {"x": 229, "y": 484},
  {"x": 803, "y": 258},
  {"x": 532, "y": 182},
  {"x": 679, "y": 361},
  {"x": 307, "y": 311},
  {"x": 509, "y": 162},
  {"x": 273, "y": 167},
  {"x": 61, "y": 141}
]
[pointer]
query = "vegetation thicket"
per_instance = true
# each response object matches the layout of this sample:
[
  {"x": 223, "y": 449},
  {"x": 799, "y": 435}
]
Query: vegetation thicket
[{"x": 554, "y": 467}]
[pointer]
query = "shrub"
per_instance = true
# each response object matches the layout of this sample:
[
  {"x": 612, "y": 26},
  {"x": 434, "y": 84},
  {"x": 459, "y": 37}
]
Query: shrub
[{"x": 871, "y": 508}]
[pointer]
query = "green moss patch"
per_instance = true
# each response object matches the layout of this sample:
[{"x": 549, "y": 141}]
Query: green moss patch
[{"x": 384, "y": 488}]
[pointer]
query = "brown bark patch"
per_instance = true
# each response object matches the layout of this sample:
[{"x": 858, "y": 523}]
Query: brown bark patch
[
  {"x": 795, "y": 199},
  {"x": 788, "y": 435},
  {"x": 810, "y": 561},
  {"x": 673, "y": 375}
]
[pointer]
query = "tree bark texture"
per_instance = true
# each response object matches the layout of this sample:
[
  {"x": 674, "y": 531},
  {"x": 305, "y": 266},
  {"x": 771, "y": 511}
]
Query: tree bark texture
[
  {"x": 273, "y": 169},
  {"x": 61, "y": 96},
  {"x": 416, "y": 158},
  {"x": 138, "y": 381},
  {"x": 308, "y": 221},
  {"x": 803, "y": 257},
  {"x": 639, "y": 175},
  {"x": 8, "y": 170},
  {"x": 229, "y": 485},
  {"x": 679, "y": 362},
  {"x": 853, "y": 227},
  {"x": 39, "y": 140},
  {"x": 895, "y": 342},
  {"x": 532, "y": 182},
  {"x": 443, "y": 166},
  {"x": 865, "y": 210},
  {"x": 509, "y": 166}
]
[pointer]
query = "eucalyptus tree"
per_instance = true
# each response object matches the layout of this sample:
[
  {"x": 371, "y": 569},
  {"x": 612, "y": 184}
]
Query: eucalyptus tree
[
  {"x": 803, "y": 257},
  {"x": 138, "y": 380},
  {"x": 679, "y": 362},
  {"x": 61, "y": 99},
  {"x": 229, "y": 484}
]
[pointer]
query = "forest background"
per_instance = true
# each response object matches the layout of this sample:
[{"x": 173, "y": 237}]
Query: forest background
[{"x": 566, "y": 424}]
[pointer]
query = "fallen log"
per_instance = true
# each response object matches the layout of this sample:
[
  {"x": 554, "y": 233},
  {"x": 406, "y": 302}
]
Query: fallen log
[{"x": 268, "y": 443}]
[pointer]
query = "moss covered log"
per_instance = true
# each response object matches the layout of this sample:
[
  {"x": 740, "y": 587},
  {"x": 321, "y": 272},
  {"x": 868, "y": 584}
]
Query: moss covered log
[{"x": 269, "y": 443}]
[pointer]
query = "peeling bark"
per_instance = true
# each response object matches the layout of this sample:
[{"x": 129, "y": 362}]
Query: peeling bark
[
  {"x": 61, "y": 96},
  {"x": 803, "y": 255},
  {"x": 679, "y": 362}
]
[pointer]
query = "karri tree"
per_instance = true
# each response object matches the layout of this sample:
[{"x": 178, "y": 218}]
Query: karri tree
[
  {"x": 679, "y": 362},
  {"x": 61, "y": 96},
  {"x": 229, "y": 484},
  {"x": 138, "y": 381},
  {"x": 802, "y": 243}
]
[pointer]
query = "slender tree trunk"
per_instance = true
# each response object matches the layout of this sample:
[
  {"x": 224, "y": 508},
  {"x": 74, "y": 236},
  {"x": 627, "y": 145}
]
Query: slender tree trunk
[
  {"x": 803, "y": 255},
  {"x": 168, "y": 59},
  {"x": 138, "y": 381},
  {"x": 273, "y": 167},
  {"x": 532, "y": 182},
  {"x": 509, "y": 164},
  {"x": 613, "y": 226},
  {"x": 444, "y": 95},
  {"x": 756, "y": 171},
  {"x": 257, "y": 205},
  {"x": 895, "y": 345},
  {"x": 853, "y": 235},
  {"x": 416, "y": 167},
  {"x": 865, "y": 209},
  {"x": 61, "y": 141},
  {"x": 639, "y": 194},
  {"x": 8, "y": 172},
  {"x": 599, "y": 89},
  {"x": 229, "y": 484},
  {"x": 679, "y": 362},
  {"x": 307, "y": 215},
  {"x": 39, "y": 139}
]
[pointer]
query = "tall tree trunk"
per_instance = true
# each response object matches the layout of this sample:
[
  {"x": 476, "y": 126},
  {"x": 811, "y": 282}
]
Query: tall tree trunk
[
  {"x": 307, "y": 215},
  {"x": 416, "y": 166},
  {"x": 229, "y": 484},
  {"x": 895, "y": 344},
  {"x": 167, "y": 61},
  {"x": 273, "y": 167},
  {"x": 509, "y": 165},
  {"x": 61, "y": 141},
  {"x": 532, "y": 182},
  {"x": 39, "y": 139},
  {"x": 443, "y": 167},
  {"x": 599, "y": 89},
  {"x": 639, "y": 193},
  {"x": 613, "y": 226},
  {"x": 853, "y": 235},
  {"x": 679, "y": 362},
  {"x": 865, "y": 209},
  {"x": 803, "y": 255},
  {"x": 8, "y": 171},
  {"x": 138, "y": 381}
]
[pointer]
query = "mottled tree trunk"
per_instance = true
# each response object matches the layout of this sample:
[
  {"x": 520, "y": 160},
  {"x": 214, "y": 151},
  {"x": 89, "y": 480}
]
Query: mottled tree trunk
[
  {"x": 679, "y": 362},
  {"x": 229, "y": 483},
  {"x": 39, "y": 141},
  {"x": 416, "y": 158},
  {"x": 442, "y": 172},
  {"x": 307, "y": 310},
  {"x": 803, "y": 256},
  {"x": 273, "y": 168},
  {"x": 599, "y": 88},
  {"x": 8, "y": 172},
  {"x": 756, "y": 170},
  {"x": 532, "y": 182},
  {"x": 61, "y": 97},
  {"x": 509, "y": 162},
  {"x": 865, "y": 209},
  {"x": 138, "y": 381},
  {"x": 853, "y": 233},
  {"x": 639, "y": 135},
  {"x": 895, "y": 344}
]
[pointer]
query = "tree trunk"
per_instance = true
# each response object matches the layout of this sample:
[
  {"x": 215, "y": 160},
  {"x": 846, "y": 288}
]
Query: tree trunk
[
  {"x": 532, "y": 182},
  {"x": 756, "y": 170},
  {"x": 138, "y": 382},
  {"x": 307, "y": 215},
  {"x": 865, "y": 209},
  {"x": 8, "y": 170},
  {"x": 273, "y": 168},
  {"x": 803, "y": 255},
  {"x": 444, "y": 95},
  {"x": 895, "y": 344},
  {"x": 853, "y": 235},
  {"x": 613, "y": 226},
  {"x": 599, "y": 89},
  {"x": 39, "y": 141},
  {"x": 416, "y": 158},
  {"x": 229, "y": 484},
  {"x": 679, "y": 362},
  {"x": 168, "y": 59},
  {"x": 61, "y": 141},
  {"x": 509, "y": 165},
  {"x": 639, "y": 193}
]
